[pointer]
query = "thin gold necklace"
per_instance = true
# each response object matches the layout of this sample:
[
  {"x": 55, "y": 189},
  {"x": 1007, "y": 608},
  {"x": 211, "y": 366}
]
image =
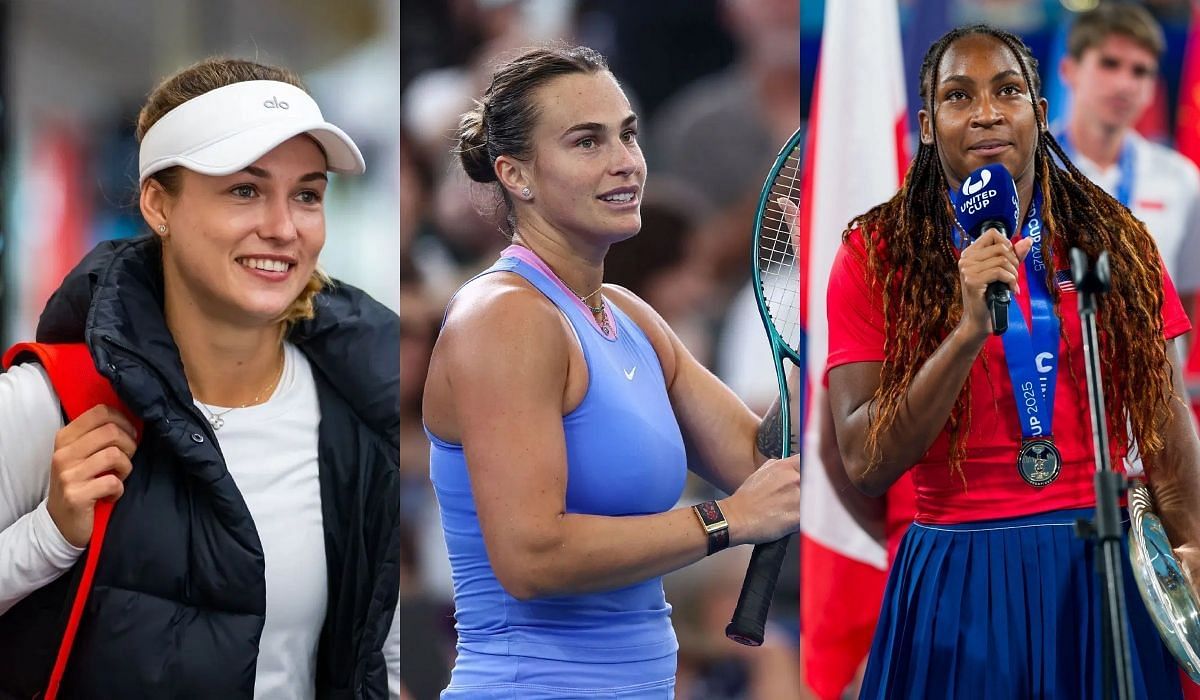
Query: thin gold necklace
[
  {"x": 216, "y": 420},
  {"x": 598, "y": 310}
]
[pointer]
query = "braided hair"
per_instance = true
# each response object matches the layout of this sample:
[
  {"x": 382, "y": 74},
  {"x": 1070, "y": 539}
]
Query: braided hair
[{"x": 911, "y": 258}]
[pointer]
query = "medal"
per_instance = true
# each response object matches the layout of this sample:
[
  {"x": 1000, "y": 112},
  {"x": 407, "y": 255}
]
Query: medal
[
  {"x": 1039, "y": 462},
  {"x": 1031, "y": 353}
]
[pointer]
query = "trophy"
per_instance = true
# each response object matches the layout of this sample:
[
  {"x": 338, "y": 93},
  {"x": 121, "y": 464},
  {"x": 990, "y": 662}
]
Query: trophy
[{"x": 1164, "y": 586}]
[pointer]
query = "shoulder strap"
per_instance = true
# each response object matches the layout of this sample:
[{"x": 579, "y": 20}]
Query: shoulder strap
[
  {"x": 78, "y": 383},
  {"x": 79, "y": 386}
]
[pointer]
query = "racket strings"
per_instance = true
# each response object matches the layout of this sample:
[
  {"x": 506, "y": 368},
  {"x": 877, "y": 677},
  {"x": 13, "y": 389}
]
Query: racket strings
[{"x": 778, "y": 244}]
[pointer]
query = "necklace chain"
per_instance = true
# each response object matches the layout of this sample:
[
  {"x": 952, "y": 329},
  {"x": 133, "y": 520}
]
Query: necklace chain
[
  {"x": 215, "y": 418},
  {"x": 598, "y": 310}
]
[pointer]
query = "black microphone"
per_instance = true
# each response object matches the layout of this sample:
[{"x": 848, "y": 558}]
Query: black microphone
[{"x": 988, "y": 199}]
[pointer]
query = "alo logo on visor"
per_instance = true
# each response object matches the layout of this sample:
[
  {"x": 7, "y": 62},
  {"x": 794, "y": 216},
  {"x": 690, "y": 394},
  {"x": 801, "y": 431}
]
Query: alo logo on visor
[
  {"x": 275, "y": 103},
  {"x": 970, "y": 188}
]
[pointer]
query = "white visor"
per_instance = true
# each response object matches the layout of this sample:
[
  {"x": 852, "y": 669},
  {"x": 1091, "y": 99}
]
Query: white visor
[{"x": 224, "y": 130}]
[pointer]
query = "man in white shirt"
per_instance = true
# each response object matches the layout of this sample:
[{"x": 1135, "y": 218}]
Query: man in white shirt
[{"x": 1111, "y": 67}]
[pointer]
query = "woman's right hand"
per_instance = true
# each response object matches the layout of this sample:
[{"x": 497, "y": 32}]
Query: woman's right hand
[
  {"x": 990, "y": 258},
  {"x": 766, "y": 506},
  {"x": 91, "y": 460}
]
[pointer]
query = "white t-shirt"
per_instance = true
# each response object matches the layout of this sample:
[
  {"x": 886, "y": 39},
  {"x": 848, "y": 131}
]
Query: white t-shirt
[
  {"x": 1166, "y": 197},
  {"x": 271, "y": 452}
]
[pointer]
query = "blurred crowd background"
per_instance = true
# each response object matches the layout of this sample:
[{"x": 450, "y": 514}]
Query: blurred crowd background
[{"x": 718, "y": 85}]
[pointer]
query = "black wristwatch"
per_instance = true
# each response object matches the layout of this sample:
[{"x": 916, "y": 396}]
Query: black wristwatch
[{"x": 714, "y": 524}]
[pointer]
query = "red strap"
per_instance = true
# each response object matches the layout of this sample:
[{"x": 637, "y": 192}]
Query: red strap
[{"x": 79, "y": 387}]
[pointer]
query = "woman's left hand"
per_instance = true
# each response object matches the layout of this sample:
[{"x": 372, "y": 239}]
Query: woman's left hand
[{"x": 1189, "y": 559}]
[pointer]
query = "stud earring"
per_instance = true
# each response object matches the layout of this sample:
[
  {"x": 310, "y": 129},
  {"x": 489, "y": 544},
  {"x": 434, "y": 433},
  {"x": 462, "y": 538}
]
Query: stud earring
[
  {"x": 526, "y": 193},
  {"x": 162, "y": 228}
]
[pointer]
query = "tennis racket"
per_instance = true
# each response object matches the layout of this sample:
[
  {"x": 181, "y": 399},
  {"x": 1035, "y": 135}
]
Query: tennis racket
[{"x": 776, "y": 272}]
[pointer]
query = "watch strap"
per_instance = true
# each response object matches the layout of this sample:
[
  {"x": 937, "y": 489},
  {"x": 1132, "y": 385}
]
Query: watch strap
[{"x": 714, "y": 524}]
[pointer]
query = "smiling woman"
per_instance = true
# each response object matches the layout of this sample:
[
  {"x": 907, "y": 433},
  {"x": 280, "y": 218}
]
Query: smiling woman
[
  {"x": 556, "y": 407},
  {"x": 267, "y": 394}
]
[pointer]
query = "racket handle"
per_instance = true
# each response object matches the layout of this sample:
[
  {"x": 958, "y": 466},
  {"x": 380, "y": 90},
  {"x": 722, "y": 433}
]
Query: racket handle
[{"x": 750, "y": 616}]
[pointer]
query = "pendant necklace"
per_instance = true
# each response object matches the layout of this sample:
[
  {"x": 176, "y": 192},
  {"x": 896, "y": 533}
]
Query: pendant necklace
[
  {"x": 598, "y": 310},
  {"x": 216, "y": 419}
]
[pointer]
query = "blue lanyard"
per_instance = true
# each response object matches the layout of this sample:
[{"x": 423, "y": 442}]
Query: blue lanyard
[
  {"x": 1124, "y": 193},
  {"x": 1032, "y": 353}
]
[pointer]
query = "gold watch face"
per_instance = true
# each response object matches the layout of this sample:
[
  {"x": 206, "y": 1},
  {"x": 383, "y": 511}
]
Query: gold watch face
[{"x": 715, "y": 527}]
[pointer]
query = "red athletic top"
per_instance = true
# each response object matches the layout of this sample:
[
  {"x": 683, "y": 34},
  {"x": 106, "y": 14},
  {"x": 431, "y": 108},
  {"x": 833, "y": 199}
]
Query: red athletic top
[{"x": 994, "y": 488}]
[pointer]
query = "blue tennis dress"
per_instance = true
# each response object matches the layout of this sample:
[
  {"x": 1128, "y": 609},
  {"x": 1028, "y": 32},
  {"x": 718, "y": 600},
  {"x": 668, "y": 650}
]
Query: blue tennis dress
[{"x": 625, "y": 456}]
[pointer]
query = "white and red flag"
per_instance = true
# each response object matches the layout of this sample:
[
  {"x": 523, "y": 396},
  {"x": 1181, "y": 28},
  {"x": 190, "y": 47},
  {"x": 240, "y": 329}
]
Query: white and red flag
[{"x": 856, "y": 156}]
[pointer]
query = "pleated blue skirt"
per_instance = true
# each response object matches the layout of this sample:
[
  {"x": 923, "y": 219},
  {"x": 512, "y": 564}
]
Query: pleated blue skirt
[{"x": 1003, "y": 610}]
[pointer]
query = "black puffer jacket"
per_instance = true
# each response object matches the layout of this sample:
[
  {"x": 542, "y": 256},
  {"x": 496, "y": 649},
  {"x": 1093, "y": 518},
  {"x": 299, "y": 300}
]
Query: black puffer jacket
[{"x": 177, "y": 607}]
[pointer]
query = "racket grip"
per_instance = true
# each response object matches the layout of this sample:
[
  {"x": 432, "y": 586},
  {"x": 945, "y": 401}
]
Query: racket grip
[{"x": 750, "y": 616}]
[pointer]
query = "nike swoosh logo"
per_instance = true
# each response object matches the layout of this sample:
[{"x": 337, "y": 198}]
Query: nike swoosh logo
[{"x": 630, "y": 372}]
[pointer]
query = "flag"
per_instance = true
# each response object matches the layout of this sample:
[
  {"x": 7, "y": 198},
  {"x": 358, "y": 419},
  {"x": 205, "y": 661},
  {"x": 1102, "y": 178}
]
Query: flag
[
  {"x": 1187, "y": 142},
  {"x": 56, "y": 236},
  {"x": 1064, "y": 280},
  {"x": 855, "y": 157},
  {"x": 1187, "y": 119}
]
